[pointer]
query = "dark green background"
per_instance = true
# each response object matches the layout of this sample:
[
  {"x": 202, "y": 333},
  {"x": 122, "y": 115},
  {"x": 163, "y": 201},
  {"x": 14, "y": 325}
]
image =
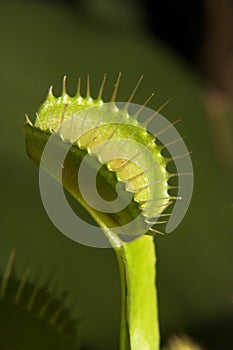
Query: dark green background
[{"x": 39, "y": 44}]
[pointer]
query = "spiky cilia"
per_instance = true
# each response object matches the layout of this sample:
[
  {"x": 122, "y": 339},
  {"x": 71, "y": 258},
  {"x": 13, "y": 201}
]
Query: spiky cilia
[{"x": 31, "y": 317}]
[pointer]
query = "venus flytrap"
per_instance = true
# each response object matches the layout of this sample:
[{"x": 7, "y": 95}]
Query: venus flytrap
[
  {"x": 31, "y": 317},
  {"x": 126, "y": 155}
]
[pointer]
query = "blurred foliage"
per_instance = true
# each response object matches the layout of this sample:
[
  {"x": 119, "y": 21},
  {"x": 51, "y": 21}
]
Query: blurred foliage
[
  {"x": 31, "y": 317},
  {"x": 39, "y": 44}
]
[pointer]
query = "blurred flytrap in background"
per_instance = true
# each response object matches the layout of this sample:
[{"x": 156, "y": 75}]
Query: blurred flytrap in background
[
  {"x": 31, "y": 317},
  {"x": 40, "y": 42}
]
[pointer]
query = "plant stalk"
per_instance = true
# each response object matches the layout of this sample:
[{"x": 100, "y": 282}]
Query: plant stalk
[{"x": 139, "y": 315}]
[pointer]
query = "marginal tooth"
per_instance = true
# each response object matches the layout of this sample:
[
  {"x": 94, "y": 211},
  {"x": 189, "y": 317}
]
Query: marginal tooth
[
  {"x": 78, "y": 93},
  {"x": 167, "y": 127},
  {"x": 144, "y": 105},
  {"x": 178, "y": 175},
  {"x": 7, "y": 274},
  {"x": 88, "y": 94},
  {"x": 159, "y": 199},
  {"x": 116, "y": 87},
  {"x": 155, "y": 222},
  {"x": 157, "y": 206},
  {"x": 56, "y": 315},
  {"x": 32, "y": 298},
  {"x": 21, "y": 286},
  {"x": 44, "y": 308},
  {"x": 169, "y": 187},
  {"x": 168, "y": 160},
  {"x": 102, "y": 87},
  {"x": 154, "y": 231},
  {"x": 64, "y": 85},
  {"x": 28, "y": 121},
  {"x": 134, "y": 91},
  {"x": 166, "y": 145},
  {"x": 50, "y": 93},
  {"x": 38, "y": 121},
  {"x": 152, "y": 116}
]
